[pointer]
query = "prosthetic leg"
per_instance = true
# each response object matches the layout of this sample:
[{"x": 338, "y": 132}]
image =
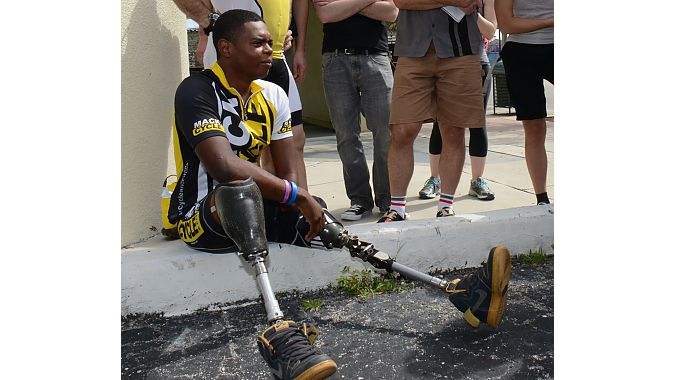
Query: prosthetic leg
[
  {"x": 481, "y": 296},
  {"x": 286, "y": 346},
  {"x": 240, "y": 208}
]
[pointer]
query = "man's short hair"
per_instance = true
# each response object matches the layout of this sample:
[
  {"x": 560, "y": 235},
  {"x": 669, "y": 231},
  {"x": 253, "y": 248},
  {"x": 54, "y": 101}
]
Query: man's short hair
[{"x": 230, "y": 25}]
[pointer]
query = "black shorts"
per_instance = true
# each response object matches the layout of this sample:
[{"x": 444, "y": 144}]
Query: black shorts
[
  {"x": 526, "y": 66},
  {"x": 201, "y": 231}
]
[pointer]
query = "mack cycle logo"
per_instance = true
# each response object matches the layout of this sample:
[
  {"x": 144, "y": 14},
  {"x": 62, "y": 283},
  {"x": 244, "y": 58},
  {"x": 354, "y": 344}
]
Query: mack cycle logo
[{"x": 206, "y": 125}]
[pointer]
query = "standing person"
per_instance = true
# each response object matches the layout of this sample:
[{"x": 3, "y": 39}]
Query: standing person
[
  {"x": 277, "y": 15},
  {"x": 358, "y": 79},
  {"x": 438, "y": 77},
  {"x": 478, "y": 138},
  {"x": 528, "y": 56}
]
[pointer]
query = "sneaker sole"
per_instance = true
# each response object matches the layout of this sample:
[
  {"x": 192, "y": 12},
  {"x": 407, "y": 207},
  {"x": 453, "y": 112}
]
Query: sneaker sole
[
  {"x": 427, "y": 197},
  {"x": 488, "y": 197},
  {"x": 501, "y": 274},
  {"x": 354, "y": 217},
  {"x": 319, "y": 371}
]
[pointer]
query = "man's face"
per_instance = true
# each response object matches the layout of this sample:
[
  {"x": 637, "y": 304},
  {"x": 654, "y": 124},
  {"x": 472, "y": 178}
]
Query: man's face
[{"x": 252, "y": 51}]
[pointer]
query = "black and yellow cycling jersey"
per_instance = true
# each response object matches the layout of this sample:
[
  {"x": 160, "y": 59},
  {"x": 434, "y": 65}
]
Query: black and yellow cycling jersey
[{"x": 206, "y": 106}]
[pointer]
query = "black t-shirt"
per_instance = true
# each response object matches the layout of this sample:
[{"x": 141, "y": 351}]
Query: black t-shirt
[{"x": 355, "y": 32}]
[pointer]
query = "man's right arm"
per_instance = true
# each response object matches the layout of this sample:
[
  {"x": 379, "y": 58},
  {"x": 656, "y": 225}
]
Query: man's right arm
[{"x": 198, "y": 10}]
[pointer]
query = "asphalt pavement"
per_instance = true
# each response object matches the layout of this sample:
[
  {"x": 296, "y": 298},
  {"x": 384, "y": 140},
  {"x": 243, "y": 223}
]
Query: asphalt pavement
[{"x": 415, "y": 334}]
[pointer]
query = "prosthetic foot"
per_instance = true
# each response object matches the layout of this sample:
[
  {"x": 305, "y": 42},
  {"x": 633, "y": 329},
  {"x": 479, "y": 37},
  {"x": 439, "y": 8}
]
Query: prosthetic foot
[
  {"x": 287, "y": 348},
  {"x": 480, "y": 296}
]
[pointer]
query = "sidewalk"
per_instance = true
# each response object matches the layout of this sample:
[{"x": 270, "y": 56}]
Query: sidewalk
[{"x": 506, "y": 170}]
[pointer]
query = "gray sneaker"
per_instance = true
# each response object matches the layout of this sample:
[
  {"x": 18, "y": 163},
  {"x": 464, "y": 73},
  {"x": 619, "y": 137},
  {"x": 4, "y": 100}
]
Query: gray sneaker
[
  {"x": 479, "y": 188},
  {"x": 431, "y": 189}
]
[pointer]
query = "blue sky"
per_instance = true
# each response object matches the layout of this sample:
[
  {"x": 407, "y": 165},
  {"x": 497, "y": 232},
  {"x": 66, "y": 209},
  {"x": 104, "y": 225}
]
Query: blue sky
[{"x": 190, "y": 24}]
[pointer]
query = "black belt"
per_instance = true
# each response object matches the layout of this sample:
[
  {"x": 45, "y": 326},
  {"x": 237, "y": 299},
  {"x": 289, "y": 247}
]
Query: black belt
[{"x": 357, "y": 51}]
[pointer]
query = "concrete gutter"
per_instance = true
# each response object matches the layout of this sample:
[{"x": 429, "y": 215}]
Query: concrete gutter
[{"x": 167, "y": 277}]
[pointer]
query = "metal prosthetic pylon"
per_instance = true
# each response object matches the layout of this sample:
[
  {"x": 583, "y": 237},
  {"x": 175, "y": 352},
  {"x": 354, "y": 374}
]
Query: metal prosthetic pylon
[{"x": 335, "y": 235}]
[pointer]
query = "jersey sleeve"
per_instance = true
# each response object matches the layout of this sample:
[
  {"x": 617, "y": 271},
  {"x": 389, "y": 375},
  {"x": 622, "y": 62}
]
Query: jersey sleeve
[
  {"x": 282, "y": 126},
  {"x": 196, "y": 111}
]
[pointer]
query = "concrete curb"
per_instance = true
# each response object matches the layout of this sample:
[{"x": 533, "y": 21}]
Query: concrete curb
[{"x": 166, "y": 276}]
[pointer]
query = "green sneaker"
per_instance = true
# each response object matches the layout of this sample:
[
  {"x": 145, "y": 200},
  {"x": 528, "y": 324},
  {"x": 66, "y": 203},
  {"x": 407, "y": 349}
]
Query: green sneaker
[
  {"x": 479, "y": 188},
  {"x": 431, "y": 188},
  {"x": 288, "y": 349},
  {"x": 482, "y": 295}
]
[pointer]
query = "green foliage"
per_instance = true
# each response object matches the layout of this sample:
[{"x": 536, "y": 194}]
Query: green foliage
[
  {"x": 312, "y": 305},
  {"x": 364, "y": 283},
  {"x": 534, "y": 258}
]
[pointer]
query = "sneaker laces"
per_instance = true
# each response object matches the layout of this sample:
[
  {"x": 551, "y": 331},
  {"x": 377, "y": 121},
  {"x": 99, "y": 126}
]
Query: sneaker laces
[
  {"x": 354, "y": 208},
  {"x": 291, "y": 344},
  {"x": 430, "y": 184}
]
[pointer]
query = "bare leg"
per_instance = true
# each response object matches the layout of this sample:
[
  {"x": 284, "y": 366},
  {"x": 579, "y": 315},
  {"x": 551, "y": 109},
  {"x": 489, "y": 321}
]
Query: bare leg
[
  {"x": 400, "y": 156},
  {"x": 434, "y": 165},
  {"x": 478, "y": 165},
  {"x": 452, "y": 157},
  {"x": 536, "y": 155}
]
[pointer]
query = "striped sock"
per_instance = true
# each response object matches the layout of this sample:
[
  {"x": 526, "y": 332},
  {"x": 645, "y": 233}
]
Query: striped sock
[
  {"x": 445, "y": 201},
  {"x": 398, "y": 204}
]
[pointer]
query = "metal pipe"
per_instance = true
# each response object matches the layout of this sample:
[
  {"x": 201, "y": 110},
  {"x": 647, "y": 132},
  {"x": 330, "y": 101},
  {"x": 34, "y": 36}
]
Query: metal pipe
[
  {"x": 419, "y": 276},
  {"x": 271, "y": 305}
]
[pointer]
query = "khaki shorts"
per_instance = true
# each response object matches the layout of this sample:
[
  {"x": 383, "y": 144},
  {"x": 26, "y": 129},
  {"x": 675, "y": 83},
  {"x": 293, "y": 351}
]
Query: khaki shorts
[{"x": 430, "y": 88}]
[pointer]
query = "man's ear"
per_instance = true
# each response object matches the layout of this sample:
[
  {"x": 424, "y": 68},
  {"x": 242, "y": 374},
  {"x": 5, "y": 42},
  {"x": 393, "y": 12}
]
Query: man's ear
[{"x": 224, "y": 47}]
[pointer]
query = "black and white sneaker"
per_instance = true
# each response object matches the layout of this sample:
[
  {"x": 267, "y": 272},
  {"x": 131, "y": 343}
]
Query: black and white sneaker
[{"x": 355, "y": 212}]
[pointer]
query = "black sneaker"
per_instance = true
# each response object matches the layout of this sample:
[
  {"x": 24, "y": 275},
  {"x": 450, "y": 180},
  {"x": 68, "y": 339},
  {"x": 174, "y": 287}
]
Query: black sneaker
[
  {"x": 355, "y": 212},
  {"x": 288, "y": 350},
  {"x": 391, "y": 216},
  {"x": 482, "y": 295}
]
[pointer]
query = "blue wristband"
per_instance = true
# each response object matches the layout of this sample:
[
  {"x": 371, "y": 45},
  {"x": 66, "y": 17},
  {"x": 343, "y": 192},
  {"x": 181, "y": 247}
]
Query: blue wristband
[{"x": 294, "y": 192}]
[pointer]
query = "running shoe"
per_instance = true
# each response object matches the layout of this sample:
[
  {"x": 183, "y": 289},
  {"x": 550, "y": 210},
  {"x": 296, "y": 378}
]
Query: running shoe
[
  {"x": 430, "y": 189},
  {"x": 479, "y": 188},
  {"x": 391, "y": 216}
]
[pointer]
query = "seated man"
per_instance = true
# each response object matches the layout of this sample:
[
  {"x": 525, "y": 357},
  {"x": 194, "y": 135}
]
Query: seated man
[{"x": 223, "y": 118}]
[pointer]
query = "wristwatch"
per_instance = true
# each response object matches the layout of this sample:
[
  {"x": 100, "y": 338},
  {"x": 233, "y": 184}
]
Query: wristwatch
[{"x": 213, "y": 16}]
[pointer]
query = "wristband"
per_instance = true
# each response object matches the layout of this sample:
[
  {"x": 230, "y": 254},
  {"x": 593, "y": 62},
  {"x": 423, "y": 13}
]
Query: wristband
[
  {"x": 294, "y": 192},
  {"x": 287, "y": 191}
]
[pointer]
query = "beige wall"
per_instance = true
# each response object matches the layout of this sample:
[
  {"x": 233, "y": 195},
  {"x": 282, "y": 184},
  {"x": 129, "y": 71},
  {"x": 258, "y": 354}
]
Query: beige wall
[{"x": 154, "y": 61}]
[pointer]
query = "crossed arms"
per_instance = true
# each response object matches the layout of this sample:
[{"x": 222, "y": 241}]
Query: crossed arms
[{"x": 330, "y": 11}]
